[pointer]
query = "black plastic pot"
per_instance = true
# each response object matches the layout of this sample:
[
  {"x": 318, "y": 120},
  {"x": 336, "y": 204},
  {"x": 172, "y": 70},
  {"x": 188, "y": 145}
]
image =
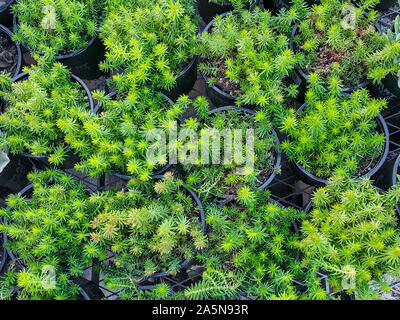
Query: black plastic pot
[
  {"x": 217, "y": 96},
  {"x": 184, "y": 81},
  {"x": 208, "y": 10},
  {"x": 391, "y": 82},
  {"x": 5, "y": 32},
  {"x": 6, "y": 17},
  {"x": 126, "y": 177},
  {"x": 317, "y": 181},
  {"x": 72, "y": 158},
  {"x": 4, "y": 252},
  {"x": 14, "y": 175},
  {"x": 84, "y": 63},
  {"x": 278, "y": 155},
  {"x": 389, "y": 172},
  {"x": 301, "y": 77}
]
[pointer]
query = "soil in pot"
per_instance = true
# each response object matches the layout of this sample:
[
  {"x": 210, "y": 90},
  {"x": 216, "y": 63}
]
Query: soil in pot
[
  {"x": 229, "y": 87},
  {"x": 8, "y": 55},
  {"x": 325, "y": 57}
]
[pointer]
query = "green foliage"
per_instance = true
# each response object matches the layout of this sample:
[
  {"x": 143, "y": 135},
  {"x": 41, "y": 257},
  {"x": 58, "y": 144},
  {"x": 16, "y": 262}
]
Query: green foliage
[
  {"x": 7, "y": 284},
  {"x": 50, "y": 229},
  {"x": 334, "y": 132},
  {"x": 149, "y": 42},
  {"x": 56, "y": 26},
  {"x": 234, "y": 173},
  {"x": 337, "y": 39},
  {"x": 251, "y": 253},
  {"x": 118, "y": 138},
  {"x": 387, "y": 60},
  {"x": 216, "y": 284},
  {"x": 33, "y": 107},
  {"x": 238, "y": 4},
  {"x": 246, "y": 62},
  {"x": 148, "y": 231},
  {"x": 352, "y": 234}
]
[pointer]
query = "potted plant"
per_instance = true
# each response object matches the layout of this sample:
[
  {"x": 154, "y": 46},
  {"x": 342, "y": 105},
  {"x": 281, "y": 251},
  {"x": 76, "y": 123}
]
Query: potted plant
[
  {"x": 5, "y": 12},
  {"x": 252, "y": 254},
  {"x": 153, "y": 232},
  {"x": 337, "y": 39},
  {"x": 47, "y": 228},
  {"x": 244, "y": 66},
  {"x": 334, "y": 132},
  {"x": 228, "y": 179},
  {"x": 387, "y": 60},
  {"x": 66, "y": 29},
  {"x": 351, "y": 232},
  {"x": 152, "y": 43},
  {"x": 11, "y": 56},
  {"x": 115, "y": 138},
  {"x": 34, "y": 103},
  {"x": 208, "y": 9}
]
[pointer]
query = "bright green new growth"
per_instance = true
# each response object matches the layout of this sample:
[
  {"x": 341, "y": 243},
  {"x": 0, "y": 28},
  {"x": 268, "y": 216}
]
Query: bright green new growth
[
  {"x": 337, "y": 39},
  {"x": 252, "y": 253},
  {"x": 56, "y": 26},
  {"x": 148, "y": 231},
  {"x": 334, "y": 132},
  {"x": 352, "y": 234},
  {"x": 149, "y": 42},
  {"x": 240, "y": 176},
  {"x": 117, "y": 138},
  {"x": 387, "y": 60},
  {"x": 247, "y": 55},
  {"x": 50, "y": 229},
  {"x": 33, "y": 107},
  {"x": 238, "y": 4}
]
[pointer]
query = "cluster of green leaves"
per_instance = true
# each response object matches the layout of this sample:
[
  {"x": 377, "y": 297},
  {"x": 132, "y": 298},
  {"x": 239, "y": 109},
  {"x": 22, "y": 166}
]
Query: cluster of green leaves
[
  {"x": 252, "y": 253},
  {"x": 387, "y": 60},
  {"x": 239, "y": 4},
  {"x": 33, "y": 107},
  {"x": 117, "y": 137},
  {"x": 148, "y": 231},
  {"x": 337, "y": 39},
  {"x": 240, "y": 169},
  {"x": 352, "y": 234},
  {"x": 247, "y": 63},
  {"x": 148, "y": 42},
  {"x": 334, "y": 131},
  {"x": 50, "y": 229},
  {"x": 56, "y": 26}
]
